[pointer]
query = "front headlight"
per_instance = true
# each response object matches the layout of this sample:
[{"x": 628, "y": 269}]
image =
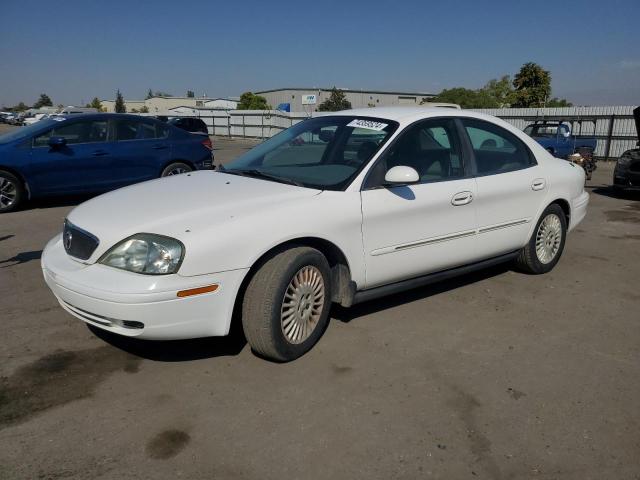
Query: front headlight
[{"x": 146, "y": 253}]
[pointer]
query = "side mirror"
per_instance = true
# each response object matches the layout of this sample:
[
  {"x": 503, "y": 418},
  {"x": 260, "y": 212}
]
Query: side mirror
[
  {"x": 401, "y": 175},
  {"x": 325, "y": 135},
  {"x": 57, "y": 142}
]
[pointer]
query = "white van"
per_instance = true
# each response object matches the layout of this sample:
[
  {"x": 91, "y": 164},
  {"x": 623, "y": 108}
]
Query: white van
[{"x": 71, "y": 110}]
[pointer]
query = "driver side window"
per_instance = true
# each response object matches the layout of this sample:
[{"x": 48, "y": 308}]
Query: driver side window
[
  {"x": 77, "y": 132},
  {"x": 431, "y": 148}
]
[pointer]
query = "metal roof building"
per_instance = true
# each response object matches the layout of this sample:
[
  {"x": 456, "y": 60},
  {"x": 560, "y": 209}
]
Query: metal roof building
[
  {"x": 164, "y": 104},
  {"x": 358, "y": 98}
]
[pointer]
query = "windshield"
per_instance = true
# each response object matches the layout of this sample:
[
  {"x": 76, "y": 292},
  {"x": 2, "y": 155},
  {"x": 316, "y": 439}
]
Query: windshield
[
  {"x": 323, "y": 152},
  {"x": 25, "y": 132}
]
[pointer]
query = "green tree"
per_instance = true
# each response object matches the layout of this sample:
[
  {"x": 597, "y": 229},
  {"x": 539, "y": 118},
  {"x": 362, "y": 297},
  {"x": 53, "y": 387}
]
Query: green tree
[
  {"x": 120, "y": 107},
  {"x": 144, "y": 109},
  {"x": 500, "y": 92},
  {"x": 149, "y": 94},
  {"x": 95, "y": 103},
  {"x": 250, "y": 101},
  {"x": 337, "y": 101},
  {"x": 21, "y": 107},
  {"x": 190, "y": 94},
  {"x": 134, "y": 110},
  {"x": 559, "y": 102},
  {"x": 160, "y": 93},
  {"x": 43, "y": 101},
  {"x": 465, "y": 97},
  {"x": 533, "y": 86}
]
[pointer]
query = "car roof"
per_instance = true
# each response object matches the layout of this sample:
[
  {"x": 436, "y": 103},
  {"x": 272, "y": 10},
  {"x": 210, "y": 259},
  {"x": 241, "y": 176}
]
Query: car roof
[
  {"x": 101, "y": 115},
  {"x": 410, "y": 114}
]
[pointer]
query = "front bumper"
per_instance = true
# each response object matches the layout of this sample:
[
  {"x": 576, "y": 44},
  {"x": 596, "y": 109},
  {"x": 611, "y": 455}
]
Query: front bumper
[
  {"x": 137, "y": 305},
  {"x": 626, "y": 178}
]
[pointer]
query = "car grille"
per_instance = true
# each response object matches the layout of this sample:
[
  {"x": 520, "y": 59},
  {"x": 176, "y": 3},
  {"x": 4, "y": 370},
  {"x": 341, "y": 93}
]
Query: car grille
[{"x": 77, "y": 242}]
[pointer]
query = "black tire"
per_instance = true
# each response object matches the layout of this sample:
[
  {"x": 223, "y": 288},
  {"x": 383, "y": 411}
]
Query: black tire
[
  {"x": 528, "y": 260},
  {"x": 12, "y": 192},
  {"x": 264, "y": 300},
  {"x": 176, "y": 168}
]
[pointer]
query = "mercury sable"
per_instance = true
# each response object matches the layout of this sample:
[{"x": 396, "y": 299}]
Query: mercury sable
[{"x": 336, "y": 209}]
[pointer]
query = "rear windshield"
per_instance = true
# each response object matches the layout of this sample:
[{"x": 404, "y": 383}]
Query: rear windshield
[{"x": 545, "y": 131}]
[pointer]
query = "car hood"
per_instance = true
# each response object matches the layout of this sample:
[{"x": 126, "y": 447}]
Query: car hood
[{"x": 179, "y": 206}]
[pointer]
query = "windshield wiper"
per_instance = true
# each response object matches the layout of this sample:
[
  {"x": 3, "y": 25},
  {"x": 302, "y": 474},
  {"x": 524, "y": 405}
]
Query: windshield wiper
[{"x": 255, "y": 173}]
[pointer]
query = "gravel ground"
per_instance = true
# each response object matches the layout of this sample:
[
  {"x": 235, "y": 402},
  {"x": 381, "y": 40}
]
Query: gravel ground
[{"x": 495, "y": 375}]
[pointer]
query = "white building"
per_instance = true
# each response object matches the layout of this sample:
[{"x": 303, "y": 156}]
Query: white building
[
  {"x": 162, "y": 105},
  {"x": 358, "y": 98}
]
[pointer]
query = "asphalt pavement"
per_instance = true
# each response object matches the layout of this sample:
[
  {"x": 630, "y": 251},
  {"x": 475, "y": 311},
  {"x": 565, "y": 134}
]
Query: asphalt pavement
[{"x": 495, "y": 375}]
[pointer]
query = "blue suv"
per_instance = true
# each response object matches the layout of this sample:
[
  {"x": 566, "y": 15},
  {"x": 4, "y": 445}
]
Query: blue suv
[{"x": 93, "y": 153}]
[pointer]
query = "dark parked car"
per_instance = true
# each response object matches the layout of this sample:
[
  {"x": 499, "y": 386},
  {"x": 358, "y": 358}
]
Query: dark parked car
[
  {"x": 93, "y": 153},
  {"x": 627, "y": 171},
  {"x": 193, "y": 125}
]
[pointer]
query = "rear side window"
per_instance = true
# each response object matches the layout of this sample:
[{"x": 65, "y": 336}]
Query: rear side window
[
  {"x": 78, "y": 132},
  {"x": 132, "y": 129},
  {"x": 495, "y": 149}
]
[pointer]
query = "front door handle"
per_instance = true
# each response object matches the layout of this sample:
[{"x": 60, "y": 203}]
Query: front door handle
[
  {"x": 100, "y": 153},
  {"x": 538, "y": 184},
  {"x": 462, "y": 198}
]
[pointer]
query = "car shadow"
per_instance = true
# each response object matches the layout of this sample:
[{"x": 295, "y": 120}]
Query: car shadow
[
  {"x": 608, "y": 191},
  {"x": 346, "y": 315},
  {"x": 177, "y": 350},
  {"x": 235, "y": 342},
  {"x": 22, "y": 257},
  {"x": 54, "y": 202}
]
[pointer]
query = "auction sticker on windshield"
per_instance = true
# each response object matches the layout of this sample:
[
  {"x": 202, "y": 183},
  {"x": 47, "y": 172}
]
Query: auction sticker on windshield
[{"x": 368, "y": 124}]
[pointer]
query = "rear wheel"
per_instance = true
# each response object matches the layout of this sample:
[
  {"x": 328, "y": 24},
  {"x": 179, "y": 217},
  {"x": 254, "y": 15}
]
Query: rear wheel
[
  {"x": 546, "y": 244},
  {"x": 176, "y": 168},
  {"x": 286, "y": 305},
  {"x": 12, "y": 192}
]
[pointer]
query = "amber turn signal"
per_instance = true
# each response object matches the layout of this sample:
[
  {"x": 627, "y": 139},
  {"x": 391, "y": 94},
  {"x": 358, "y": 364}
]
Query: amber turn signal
[{"x": 198, "y": 291}]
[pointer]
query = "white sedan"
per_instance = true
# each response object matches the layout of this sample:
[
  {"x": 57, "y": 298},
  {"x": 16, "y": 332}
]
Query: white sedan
[{"x": 336, "y": 209}]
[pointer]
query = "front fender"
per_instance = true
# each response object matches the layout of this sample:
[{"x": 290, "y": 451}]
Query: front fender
[{"x": 238, "y": 243}]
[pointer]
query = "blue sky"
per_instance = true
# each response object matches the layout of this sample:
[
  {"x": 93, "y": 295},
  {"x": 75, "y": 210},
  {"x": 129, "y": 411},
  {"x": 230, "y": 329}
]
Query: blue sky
[{"x": 75, "y": 50}]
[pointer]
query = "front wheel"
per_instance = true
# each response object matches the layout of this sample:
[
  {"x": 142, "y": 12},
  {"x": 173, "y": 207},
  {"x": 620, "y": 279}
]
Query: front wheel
[
  {"x": 176, "y": 168},
  {"x": 12, "y": 192},
  {"x": 546, "y": 244},
  {"x": 286, "y": 304}
]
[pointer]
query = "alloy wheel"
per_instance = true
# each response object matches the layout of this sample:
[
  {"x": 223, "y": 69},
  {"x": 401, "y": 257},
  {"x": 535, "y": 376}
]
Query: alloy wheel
[
  {"x": 302, "y": 304},
  {"x": 548, "y": 238},
  {"x": 177, "y": 171},
  {"x": 8, "y": 193}
]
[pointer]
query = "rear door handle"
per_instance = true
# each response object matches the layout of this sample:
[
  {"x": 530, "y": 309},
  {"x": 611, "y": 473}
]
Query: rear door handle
[
  {"x": 538, "y": 184},
  {"x": 100, "y": 153},
  {"x": 159, "y": 147},
  {"x": 462, "y": 198}
]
